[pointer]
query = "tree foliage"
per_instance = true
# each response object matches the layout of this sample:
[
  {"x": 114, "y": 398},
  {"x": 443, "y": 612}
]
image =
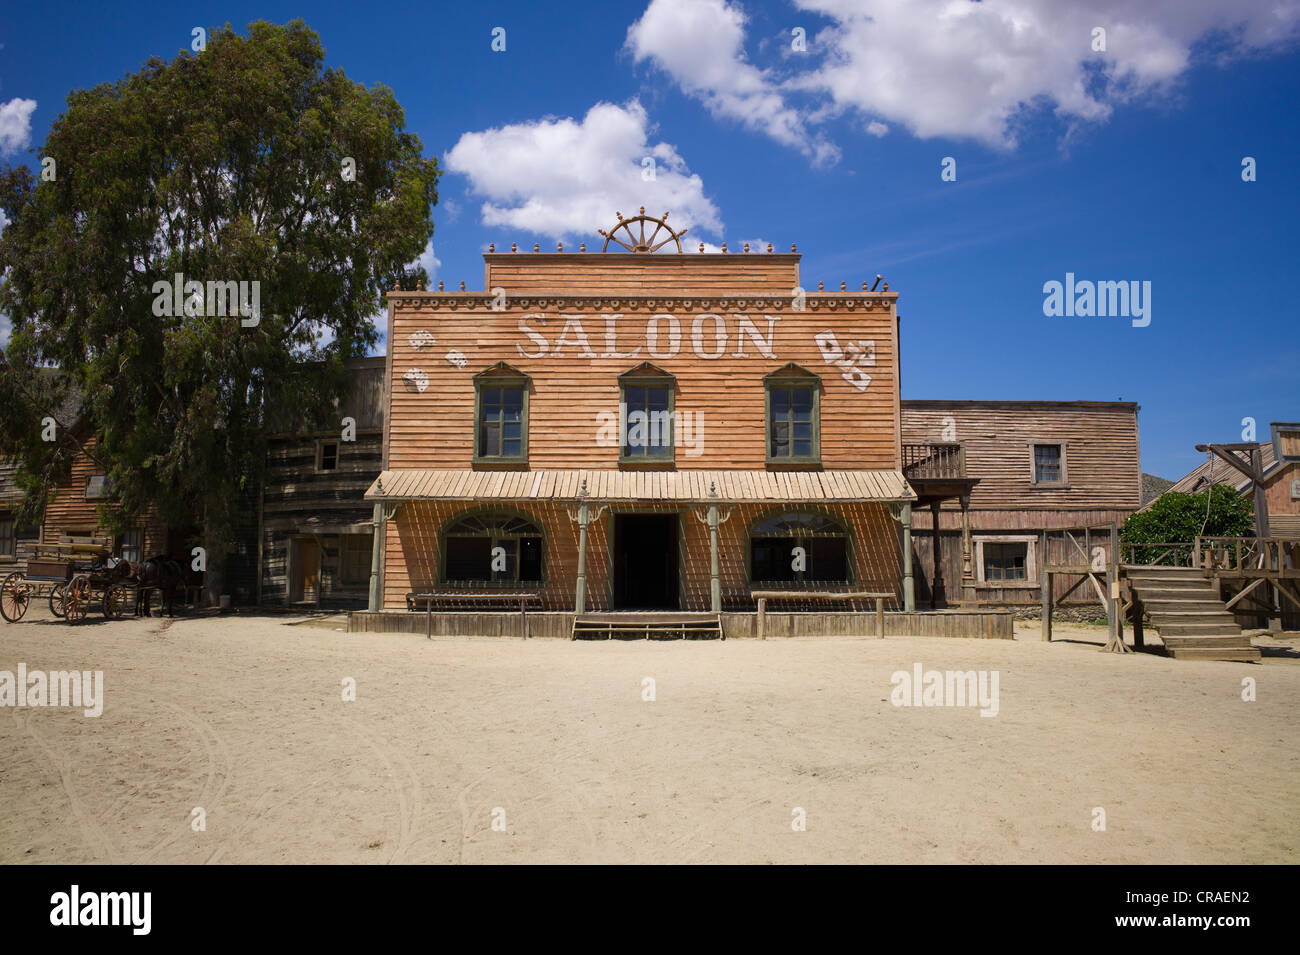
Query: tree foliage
[
  {"x": 1177, "y": 518},
  {"x": 225, "y": 165}
]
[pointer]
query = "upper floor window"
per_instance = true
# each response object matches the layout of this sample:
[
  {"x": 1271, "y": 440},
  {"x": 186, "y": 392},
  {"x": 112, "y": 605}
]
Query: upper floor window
[
  {"x": 501, "y": 416},
  {"x": 98, "y": 487},
  {"x": 797, "y": 547},
  {"x": 1049, "y": 463},
  {"x": 329, "y": 456},
  {"x": 793, "y": 416},
  {"x": 646, "y": 430},
  {"x": 492, "y": 549}
]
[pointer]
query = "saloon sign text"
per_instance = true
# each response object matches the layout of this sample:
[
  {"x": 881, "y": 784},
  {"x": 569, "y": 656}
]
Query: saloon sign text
[{"x": 709, "y": 335}]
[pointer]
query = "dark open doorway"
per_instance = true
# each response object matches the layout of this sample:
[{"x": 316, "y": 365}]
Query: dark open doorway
[{"x": 645, "y": 561}]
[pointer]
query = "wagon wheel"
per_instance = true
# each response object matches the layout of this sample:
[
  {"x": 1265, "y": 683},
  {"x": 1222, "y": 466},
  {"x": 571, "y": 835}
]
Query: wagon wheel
[
  {"x": 115, "y": 598},
  {"x": 76, "y": 597},
  {"x": 636, "y": 240},
  {"x": 15, "y": 594},
  {"x": 56, "y": 600}
]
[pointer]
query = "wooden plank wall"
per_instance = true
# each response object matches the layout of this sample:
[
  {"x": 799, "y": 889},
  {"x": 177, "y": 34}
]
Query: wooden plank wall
[
  {"x": 25, "y": 538},
  {"x": 618, "y": 273},
  {"x": 572, "y": 385},
  {"x": 411, "y": 553},
  {"x": 1102, "y": 458},
  {"x": 68, "y": 511},
  {"x": 300, "y": 500}
]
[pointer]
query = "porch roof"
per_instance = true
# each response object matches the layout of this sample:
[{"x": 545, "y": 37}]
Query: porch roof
[{"x": 685, "y": 487}]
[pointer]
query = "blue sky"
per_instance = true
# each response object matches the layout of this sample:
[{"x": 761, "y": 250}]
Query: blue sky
[{"x": 1122, "y": 164}]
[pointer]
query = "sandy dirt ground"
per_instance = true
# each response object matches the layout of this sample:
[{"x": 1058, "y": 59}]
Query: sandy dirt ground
[{"x": 244, "y": 717}]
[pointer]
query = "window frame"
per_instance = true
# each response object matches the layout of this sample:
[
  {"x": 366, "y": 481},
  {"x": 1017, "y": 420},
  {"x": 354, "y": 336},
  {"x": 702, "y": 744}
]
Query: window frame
[
  {"x": 367, "y": 554},
  {"x": 501, "y": 375},
  {"x": 647, "y": 375},
  {"x": 122, "y": 544},
  {"x": 444, "y": 533},
  {"x": 11, "y": 537},
  {"x": 1064, "y": 480},
  {"x": 830, "y": 515},
  {"x": 1031, "y": 560},
  {"x": 320, "y": 454},
  {"x": 791, "y": 375}
]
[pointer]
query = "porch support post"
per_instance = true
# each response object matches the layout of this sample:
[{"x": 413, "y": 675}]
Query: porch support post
[
  {"x": 376, "y": 550},
  {"x": 909, "y": 590},
  {"x": 967, "y": 555},
  {"x": 937, "y": 583},
  {"x": 584, "y": 516},
  {"x": 715, "y": 583}
]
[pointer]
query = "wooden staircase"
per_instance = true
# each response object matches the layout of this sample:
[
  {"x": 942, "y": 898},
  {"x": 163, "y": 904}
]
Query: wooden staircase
[
  {"x": 647, "y": 626},
  {"x": 1185, "y": 607}
]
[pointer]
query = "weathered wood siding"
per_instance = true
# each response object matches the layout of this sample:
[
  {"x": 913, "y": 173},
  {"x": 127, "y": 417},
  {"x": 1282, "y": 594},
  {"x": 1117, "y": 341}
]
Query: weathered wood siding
[
  {"x": 1103, "y": 471},
  {"x": 528, "y": 273},
  {"x": 68, "y": 511},
  {"x": 572, "y": 384},
  {"x": 1102, "y": 460},
  {"x": 302, "y": 501},
  {"x": 25, "y": 538}
]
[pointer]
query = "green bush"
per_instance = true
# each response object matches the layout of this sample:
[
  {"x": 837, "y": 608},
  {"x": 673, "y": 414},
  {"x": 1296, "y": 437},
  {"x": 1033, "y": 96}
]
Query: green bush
[{"x": 1178, "y": 518}]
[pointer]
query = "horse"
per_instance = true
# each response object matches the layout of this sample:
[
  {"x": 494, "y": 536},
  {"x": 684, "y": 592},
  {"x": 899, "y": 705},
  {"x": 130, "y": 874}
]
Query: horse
[{"x": 157, "y": 573}]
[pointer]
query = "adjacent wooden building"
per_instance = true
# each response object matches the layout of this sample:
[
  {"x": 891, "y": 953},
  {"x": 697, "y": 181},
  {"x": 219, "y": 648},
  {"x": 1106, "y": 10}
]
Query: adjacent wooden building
[
  {"x": 1031, "y": 467},
  {"x": 315, "y": 535},
  {"x": 633, "y": 431}
]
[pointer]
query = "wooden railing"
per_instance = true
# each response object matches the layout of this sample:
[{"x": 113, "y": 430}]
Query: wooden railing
[
  {"x": 946, "y": 460},
  {"x": 1163, "y": 553},
  {"x": 1244, "y": 553}
]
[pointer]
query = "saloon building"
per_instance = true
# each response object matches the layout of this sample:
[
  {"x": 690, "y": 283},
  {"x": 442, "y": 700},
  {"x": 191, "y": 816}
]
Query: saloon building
[{"x": 626, "y": 431}]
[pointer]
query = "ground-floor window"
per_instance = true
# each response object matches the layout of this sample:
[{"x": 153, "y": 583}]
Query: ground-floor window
[
  {"x": 7, "y": 543},
  {"x": 492, "y": 548},
  {"x": 799, "y": 548},
  {"x": 132, "y": 545},
  {"x": 354, "y": 559},
  {"x": 1006, "y": 559}
]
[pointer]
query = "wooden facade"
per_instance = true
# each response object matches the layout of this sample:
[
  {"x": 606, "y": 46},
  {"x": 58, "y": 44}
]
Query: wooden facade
[
  {"x": 17, "y": 541},
  {"x": 513, "y": 407},
  {"x": 73, "y": 510},
  {"x": 316, "y": 535},
  {"x": 1021, "y": 495}
]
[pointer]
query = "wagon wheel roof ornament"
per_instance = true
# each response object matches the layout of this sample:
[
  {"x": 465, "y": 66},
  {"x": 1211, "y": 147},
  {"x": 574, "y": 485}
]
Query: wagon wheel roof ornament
[{"x": 635, "y": 230}]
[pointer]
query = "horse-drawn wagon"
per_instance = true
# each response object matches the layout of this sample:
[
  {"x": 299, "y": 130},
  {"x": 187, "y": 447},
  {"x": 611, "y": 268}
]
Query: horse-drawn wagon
[{"x": 72, "y": 576}]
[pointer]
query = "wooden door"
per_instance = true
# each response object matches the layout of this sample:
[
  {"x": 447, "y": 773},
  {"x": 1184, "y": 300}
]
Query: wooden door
[{"x": 308, "y": 569}]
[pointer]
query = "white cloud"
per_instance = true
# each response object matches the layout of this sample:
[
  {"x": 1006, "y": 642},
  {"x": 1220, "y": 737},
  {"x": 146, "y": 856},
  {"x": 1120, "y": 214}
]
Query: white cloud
[
  {"x": 16, "y": 125},
  {"x": 430, "y": 261},
  {"x": 560, "y": 178},
  {"x": 701, "y": 45},
  {"x": 949, "y": 68},
  {"x": 967, "y": 70}
]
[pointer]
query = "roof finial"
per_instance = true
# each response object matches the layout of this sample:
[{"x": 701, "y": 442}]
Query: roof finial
[
  {"x": 582, "y": 247},
  {"x": 462, "y": 285},
  {"x": 791, "y": 246},
  {"x": 724, "y": 247},
  {"x": 537, "y": 247},
  {"x": 769, "y": 248},
  {"x": 492, "y": 246},
  {"x": 513, "y": 247},
  {"x": 440, "y": 285},
  {"x": 559, "y": 247},
  {"x": 746, "y": 248},
  {"x": 820, "y": 287}
]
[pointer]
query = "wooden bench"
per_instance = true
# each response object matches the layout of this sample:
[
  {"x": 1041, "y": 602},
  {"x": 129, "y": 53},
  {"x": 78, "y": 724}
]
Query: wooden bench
[
  {"x": 763, "y": 596},
  {"x": 428, "y": 598}
]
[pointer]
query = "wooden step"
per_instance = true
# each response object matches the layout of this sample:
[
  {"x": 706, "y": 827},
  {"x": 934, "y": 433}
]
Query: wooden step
[
  {"x": 648, "y": 626},
  {"x": 1203, "y": 604},
  {"x": 1229, "y": 654},
  {"x": 1177, "y": 641}
]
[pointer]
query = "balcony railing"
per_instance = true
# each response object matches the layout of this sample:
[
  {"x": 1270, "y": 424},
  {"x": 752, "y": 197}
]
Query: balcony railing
[{"x": 934, "y": 461}]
